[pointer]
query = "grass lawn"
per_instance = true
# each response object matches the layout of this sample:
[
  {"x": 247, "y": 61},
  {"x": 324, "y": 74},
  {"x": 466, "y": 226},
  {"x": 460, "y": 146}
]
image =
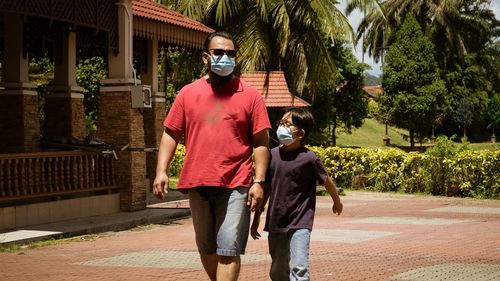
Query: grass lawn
[{"x": 371, "y": 134}]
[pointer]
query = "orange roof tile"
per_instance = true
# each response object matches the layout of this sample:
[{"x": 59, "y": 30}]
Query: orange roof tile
[
  {"x": 278, "y": 94},
  {"x": 373, "y": 91},
  {"x": 155, "y": 11}
]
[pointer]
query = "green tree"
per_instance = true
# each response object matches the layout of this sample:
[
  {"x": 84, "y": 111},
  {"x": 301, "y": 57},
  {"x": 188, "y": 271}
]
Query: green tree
[
  {"x": 463, "y": 115},
  {"x": 177, "y": 67},
  {"x": 411, "y": 81},
  {"x": 468, "y": 87},
  {"x": 89, "y": 74},
  {"x": 341, "y": 103},
  {"x": 455, "y": 27},
  {"x": 494, "y": 114}
]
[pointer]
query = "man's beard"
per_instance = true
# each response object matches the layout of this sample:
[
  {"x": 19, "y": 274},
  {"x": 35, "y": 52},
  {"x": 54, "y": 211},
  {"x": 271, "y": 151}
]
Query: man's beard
[{"x": 217, "y": 80}]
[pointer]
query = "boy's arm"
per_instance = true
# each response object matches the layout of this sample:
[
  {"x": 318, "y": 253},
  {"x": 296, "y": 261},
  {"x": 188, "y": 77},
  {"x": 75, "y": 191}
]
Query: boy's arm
[{"x": 332, "y": 190}]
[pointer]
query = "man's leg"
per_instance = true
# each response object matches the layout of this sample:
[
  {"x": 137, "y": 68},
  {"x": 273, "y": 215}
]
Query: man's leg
[
  {"x": 203, "y": 218},
  {"x": 233, "y": 222},
  {"x": 210, "y": 265},
  {"x": 228, "y": 268}
]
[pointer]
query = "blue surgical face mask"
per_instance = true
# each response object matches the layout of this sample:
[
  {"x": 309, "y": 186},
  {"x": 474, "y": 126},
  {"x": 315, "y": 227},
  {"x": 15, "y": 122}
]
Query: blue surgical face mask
[
  {"x": 222, "y": 66},
  {"x": 284, "y": 135}
]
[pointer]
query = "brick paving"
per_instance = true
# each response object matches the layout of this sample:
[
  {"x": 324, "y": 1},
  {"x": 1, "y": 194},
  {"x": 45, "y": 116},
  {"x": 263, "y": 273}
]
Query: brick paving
[{"x": 378, "y": 237}]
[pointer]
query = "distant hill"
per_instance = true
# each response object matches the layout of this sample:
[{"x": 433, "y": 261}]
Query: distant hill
[{"x": 371, "y": 80}]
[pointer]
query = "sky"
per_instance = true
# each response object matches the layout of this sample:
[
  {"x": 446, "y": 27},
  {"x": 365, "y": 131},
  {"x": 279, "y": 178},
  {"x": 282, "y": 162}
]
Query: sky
[{"x": 356, "y": 17}]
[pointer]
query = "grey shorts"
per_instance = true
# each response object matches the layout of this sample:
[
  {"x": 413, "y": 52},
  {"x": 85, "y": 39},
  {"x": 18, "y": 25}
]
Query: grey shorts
[{"x": 221, "y": 220}]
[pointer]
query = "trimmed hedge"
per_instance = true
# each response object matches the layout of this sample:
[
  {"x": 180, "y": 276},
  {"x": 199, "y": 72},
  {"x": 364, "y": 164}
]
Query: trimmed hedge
[
  {"x": 461, "y": 173},
  {"x": 466, "y": 173}
]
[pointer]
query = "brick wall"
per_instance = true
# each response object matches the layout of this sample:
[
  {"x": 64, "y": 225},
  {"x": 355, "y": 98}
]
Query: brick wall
[
  {"x": 118, "y": 125},
  {"x": 64, "y": 119},
  {"x": 19, "y": 123}
]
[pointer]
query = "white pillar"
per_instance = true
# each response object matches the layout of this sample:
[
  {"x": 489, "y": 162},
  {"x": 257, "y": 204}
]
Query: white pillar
[{"x": 120, "y": 65}]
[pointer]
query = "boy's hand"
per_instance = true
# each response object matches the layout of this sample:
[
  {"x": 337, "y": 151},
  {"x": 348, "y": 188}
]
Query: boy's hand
[
  {"x": 337, "y": 208},
  {"x": 255, "y": 226}
]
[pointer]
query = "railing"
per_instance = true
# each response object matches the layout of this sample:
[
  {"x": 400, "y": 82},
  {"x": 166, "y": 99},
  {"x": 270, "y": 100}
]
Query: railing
[{"x": 45, "y": 176}]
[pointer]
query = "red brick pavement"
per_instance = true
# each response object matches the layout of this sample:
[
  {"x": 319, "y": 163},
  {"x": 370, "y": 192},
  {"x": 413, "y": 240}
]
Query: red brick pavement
[{"x": 473, "y": 240}]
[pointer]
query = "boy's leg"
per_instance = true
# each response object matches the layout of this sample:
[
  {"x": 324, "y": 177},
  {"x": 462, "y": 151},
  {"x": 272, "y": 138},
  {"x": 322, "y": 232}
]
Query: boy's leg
[
  {"x": 299, "y": 254},
  {"x": 232, "y": 227},
  {"x": 279, "y": 249}
]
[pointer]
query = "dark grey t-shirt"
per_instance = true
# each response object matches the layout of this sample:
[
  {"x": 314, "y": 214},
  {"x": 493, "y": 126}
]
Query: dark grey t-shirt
[{"x": 293, "y": 176}]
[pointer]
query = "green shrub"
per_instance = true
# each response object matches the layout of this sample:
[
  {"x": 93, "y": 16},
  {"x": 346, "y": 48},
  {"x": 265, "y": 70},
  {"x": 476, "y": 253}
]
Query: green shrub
[
  {"x": 177, "y": 161},
  {"x": 445, "y": 170},
  {"x": 414, "y": 173}
]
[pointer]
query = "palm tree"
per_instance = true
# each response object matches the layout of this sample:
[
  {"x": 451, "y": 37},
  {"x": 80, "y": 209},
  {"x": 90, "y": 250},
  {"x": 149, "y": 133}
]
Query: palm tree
[
  {"x": 364, "y": 6},
  {"x": 286, "y": 35},
  {"x": 451, "y": 25}
]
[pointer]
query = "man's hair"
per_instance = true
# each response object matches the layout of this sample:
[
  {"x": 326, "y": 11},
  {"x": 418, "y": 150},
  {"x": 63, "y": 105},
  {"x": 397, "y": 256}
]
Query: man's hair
[
  {"x": 303, "y": 119},
  {"x": 222, "y": 34}
]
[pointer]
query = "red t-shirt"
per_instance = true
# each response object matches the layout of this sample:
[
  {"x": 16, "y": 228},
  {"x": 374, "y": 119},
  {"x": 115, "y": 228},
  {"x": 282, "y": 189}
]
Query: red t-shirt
[{"x": 218, "y": 129}]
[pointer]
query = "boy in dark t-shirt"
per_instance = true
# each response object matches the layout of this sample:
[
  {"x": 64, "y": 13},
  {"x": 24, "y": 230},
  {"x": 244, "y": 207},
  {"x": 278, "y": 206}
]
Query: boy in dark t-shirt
[{"x": 292, "y": 176}]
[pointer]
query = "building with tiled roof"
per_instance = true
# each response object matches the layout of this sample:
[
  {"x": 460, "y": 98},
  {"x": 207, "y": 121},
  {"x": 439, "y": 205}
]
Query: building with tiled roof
[
  {"x": 55, "y": 156},
  {"x": 373, "y": 92},
  {"x": 277, "y": 94},
  {"x": 155, "y": 21}
]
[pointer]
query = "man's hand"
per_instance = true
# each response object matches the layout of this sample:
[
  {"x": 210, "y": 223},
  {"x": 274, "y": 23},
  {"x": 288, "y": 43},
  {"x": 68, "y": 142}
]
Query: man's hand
[
  {"x": 255, "y": 197},
  {"x": 160, "y": 185}
]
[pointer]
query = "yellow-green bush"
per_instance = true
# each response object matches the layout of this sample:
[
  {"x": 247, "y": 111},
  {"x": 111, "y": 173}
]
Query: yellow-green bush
[
  {"x": 178, "y": 161},
  {"x": 415, "y": 173},
  {"x": 459, "y": 173},
  {"x": 466, "y": 173},
  {"x": 475, "y": 173}
]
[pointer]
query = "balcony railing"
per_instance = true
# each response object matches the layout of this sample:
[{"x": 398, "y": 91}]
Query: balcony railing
[{"x": 46, "y": 176}]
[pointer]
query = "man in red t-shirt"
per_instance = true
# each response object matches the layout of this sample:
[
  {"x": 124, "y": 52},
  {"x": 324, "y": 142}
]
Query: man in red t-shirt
[{"x": 223, "y": 120}]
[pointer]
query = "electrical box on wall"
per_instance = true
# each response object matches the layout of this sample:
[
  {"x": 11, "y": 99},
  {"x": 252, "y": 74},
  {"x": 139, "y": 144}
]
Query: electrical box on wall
[{"x": 141, "y": 96}]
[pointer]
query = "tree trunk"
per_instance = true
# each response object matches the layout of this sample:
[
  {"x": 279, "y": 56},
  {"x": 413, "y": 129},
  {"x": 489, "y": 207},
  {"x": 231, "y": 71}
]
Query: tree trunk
[
  {"x": 334, "y": 139},
  {"x": 412, "y": 139}
]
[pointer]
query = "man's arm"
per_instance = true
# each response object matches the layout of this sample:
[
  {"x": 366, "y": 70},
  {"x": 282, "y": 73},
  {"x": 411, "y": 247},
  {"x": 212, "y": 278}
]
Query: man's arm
[
  {"x": 168, "y": 144},
  {"x": 261, "y": 159}
]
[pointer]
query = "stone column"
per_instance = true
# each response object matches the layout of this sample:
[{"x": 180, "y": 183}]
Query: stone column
[
  {"x": 119, "y": 124},
  {"x": 153, "y": 117},
  {"x": 64, "y": 109},
  {"x": 19, "y": 122}
]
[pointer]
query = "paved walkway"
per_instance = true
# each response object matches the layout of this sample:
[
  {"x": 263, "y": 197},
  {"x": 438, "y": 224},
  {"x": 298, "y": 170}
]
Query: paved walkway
[{"x": 378, "y": 237}]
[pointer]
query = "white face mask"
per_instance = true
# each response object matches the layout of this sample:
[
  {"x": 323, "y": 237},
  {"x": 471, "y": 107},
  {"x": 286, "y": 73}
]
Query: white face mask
[
  {"x": 222, "y": 66},
  {"x": 285, "y": 135}
]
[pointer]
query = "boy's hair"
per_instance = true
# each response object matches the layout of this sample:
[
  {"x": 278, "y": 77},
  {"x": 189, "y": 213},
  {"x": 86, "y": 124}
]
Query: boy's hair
[
  {"x": 223, "y": 34},
  {"x": 303, "y": 119}
]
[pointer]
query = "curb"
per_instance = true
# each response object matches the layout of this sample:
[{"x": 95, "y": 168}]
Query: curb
[{"x": 98, "y": 224}]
